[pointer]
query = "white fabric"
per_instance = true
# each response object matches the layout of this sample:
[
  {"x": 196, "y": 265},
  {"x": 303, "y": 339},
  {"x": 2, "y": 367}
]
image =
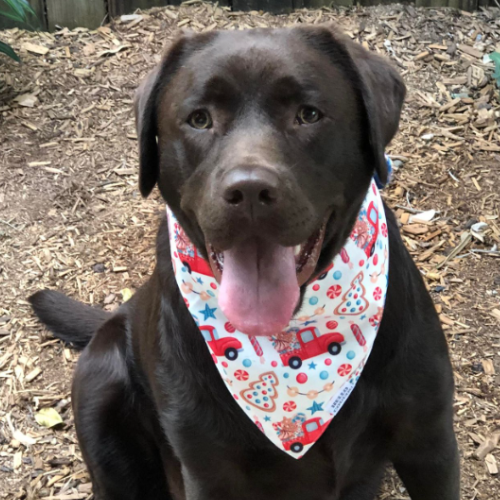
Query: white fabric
[{"x": 292, "y": 384}]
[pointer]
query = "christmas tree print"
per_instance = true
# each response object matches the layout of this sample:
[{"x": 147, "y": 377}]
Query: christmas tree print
[
  {"x": 354, "y": 301},
  {"x": 262, "y": 393}
]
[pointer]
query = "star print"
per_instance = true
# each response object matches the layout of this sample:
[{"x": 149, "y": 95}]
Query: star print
[
  {"x": 267, "y": 419},
  {"x": 312, "y": 366},
  {"x": 200, "y": 281},
  {"x": 310, "y": 322},
  {"x": 316, "y": 407},
  {"x": 208, "y": 312}
]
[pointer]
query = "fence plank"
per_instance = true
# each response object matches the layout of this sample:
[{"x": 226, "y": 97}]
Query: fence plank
[
  {"x": 275, "y": 6},
  {"x": 469, "y": 5},
  {"x": 119, "y": 7},
  {"x": 74, "y": 13},
  {"x": 37, "y": 6}
]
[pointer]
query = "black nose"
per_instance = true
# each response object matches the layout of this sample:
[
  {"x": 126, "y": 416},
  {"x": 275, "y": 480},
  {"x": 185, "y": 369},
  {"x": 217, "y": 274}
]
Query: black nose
[{"x": 251, "y": 189}]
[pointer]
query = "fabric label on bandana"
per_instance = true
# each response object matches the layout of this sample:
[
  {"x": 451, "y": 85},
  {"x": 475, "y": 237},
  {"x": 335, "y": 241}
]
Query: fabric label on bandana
[{"x": 292, "y": 384}]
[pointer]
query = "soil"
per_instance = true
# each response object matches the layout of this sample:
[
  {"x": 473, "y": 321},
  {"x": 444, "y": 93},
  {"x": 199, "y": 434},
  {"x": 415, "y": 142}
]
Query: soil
[{"x": 72, "y": 219}]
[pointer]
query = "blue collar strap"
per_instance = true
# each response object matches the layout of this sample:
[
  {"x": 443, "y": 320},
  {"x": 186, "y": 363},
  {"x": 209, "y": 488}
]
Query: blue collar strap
[{"x": 381, "y": 185}]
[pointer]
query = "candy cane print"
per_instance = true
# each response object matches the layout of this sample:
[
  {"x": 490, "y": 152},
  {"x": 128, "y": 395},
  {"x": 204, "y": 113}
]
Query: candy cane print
[
  {"x": 257, "y": 348},
  {"x": 358, "y": 335},
  {"x": 345, "y": 258}
]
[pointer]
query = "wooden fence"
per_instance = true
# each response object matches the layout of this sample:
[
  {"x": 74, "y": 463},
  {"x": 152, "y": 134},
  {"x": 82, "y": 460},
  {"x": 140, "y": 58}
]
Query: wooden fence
[{"x": 92, "y": 13}]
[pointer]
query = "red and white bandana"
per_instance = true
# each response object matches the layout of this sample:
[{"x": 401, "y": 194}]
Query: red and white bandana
[{"x": 291, "y": 385}]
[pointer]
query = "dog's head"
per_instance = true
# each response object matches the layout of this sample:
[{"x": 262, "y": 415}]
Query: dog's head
[{"x": 263, "y": 143}]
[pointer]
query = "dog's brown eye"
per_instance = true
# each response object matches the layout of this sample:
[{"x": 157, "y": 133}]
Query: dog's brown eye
[
  {"x": 308, "y": 115},
  {"x": 200, "y": 119}
]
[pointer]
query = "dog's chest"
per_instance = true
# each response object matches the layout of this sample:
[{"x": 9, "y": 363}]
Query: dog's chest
[{"x": 225, "y": 456}]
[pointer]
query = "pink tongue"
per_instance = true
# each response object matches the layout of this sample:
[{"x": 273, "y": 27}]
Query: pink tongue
[{"x": 259, "y": 289}]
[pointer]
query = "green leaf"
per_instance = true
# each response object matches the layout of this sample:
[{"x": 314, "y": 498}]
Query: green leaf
[
  {"x": 19, "y": 6},
  {"x": 15, "y": 6},
  {"x": 27, "y": 7},
  {"x": 20, "y": 10},
  {"x": 10, "y": 15},
  {"x": 48, "y": 417},
  {"x": 9, "y": 51}
]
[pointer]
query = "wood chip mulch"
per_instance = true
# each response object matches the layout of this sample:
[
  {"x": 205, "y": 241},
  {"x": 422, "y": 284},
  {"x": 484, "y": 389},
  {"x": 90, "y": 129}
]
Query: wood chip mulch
[{"x": 71, "y": 217}]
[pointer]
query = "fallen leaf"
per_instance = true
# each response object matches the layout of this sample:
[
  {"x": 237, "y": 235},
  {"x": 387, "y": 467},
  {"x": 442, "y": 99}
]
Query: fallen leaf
[
  {"x": 48, "y": 417},
  {"x": 126, "y": 294},
  {"x": 27, "y": 100}
]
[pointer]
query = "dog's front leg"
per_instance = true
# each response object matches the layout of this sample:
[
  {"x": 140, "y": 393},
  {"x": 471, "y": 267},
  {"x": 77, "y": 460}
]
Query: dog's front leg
[
  {"x": 433, "y": 471},
  {"x": 367, "y": 488}
]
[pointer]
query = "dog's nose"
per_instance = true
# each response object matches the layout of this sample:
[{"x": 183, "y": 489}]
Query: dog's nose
[{"x": 250, "y": 189}]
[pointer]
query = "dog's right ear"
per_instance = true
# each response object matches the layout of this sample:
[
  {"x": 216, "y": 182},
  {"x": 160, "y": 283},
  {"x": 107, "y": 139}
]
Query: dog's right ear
[
  {"x": 146, "y": 104},
  {"x": 145, "y": 122}
]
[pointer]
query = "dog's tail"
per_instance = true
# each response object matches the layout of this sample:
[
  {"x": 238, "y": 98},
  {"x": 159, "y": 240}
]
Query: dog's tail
[{"x": 71, "y": 321}]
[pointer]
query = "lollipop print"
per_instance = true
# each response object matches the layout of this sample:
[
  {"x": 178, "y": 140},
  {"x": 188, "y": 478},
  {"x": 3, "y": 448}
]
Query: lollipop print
[
  {"x": 241, "y": 375},
  {"x": 344, "y": 370},
  {"x": 331, "y": 325},
  {"x": 334, "y": 291}
]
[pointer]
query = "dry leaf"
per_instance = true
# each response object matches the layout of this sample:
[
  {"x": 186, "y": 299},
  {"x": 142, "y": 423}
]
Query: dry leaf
[
  {"x": 126, "y": 294},
  {"x": 27, "y": 100},
  {"x": 48, "y": 417}
]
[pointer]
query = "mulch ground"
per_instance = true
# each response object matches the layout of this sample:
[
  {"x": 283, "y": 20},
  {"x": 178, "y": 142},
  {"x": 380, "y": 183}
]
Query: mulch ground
[{"x": 71, "y": 217}]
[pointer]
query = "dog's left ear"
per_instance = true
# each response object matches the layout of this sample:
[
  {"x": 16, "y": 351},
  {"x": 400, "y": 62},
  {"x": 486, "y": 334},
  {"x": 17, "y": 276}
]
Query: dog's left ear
[{"x": 380, "y": 86}]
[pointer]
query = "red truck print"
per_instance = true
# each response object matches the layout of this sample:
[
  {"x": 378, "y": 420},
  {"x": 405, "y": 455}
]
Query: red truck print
[
  {"x": 372, "y": 217},
  {"x": 365, "y": 231},
  {"x": 305, "y": 344},
  {"x": 225, "y": 346},
  {"x": 188, "y": 254},
  {"x": 310, "y": 433}
]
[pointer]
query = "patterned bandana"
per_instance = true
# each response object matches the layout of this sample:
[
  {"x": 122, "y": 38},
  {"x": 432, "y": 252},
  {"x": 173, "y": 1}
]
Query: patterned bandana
[{"x": 293, "y": 383}]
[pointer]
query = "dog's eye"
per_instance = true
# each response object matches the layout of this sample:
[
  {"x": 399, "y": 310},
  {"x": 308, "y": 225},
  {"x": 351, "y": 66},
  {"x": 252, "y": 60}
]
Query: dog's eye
[
  {"x": 200, "y": 119},
  {"x": 308, "y": 115}
]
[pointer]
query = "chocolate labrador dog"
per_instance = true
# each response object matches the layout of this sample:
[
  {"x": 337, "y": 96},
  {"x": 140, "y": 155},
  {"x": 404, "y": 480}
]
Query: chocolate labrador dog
[{"x": 262, "y": 136}]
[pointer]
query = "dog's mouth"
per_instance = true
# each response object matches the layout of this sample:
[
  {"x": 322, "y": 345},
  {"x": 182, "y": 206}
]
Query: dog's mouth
[{"x": 260, "y": 281}]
